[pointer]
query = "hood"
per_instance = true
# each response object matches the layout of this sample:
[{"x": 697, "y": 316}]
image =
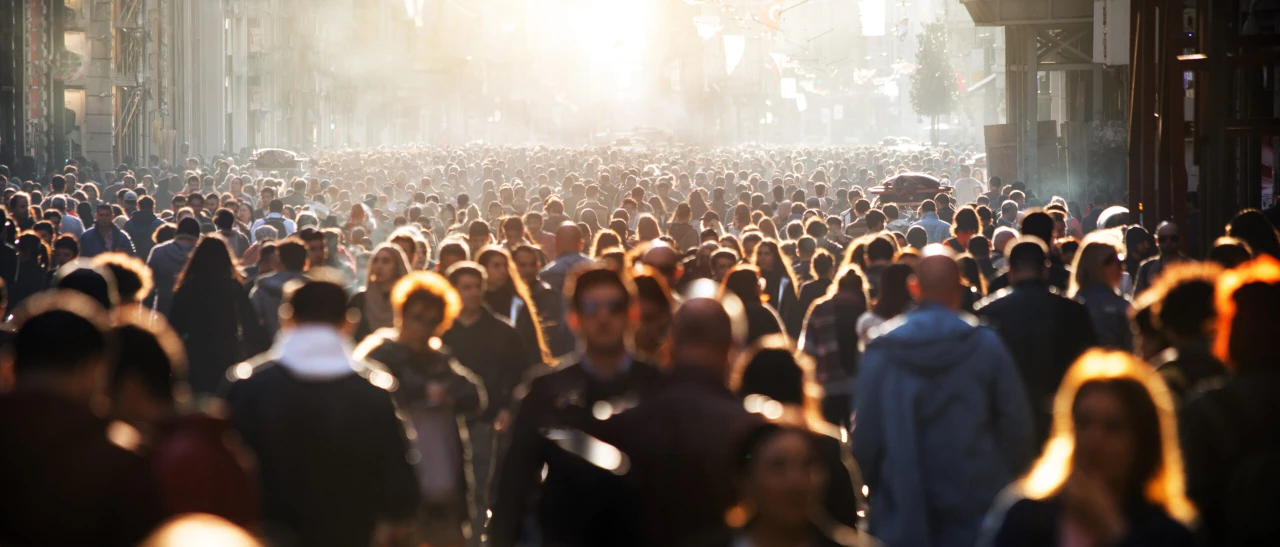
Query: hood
[
  {"x": 314, "y": 352},
  {"x": 274, "y": 283},
  {"x": 177, "y": 250},
  {"x": 929, "y": 339}
]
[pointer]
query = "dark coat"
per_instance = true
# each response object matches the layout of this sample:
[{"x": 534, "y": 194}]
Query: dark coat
[
  {"x": 492, "y": 350},
  {"x": 574, "y": 505},
  {"x": 1221, "y": 430},
  {"x": 680, "y": 443},
  {"x": 344, "y": 430},
  {"x": 65, "y": 480},
  {"x": 1045, "y": 332},
  {"x": 201, "y": 467},
  {"x": 414, "y": 370},
  {"x": 1038, "y": 523},
  {"x": 217, "y": 333}
]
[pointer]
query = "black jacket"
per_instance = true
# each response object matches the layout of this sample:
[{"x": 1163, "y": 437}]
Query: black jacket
[
  {"x": 1038, "y": 523},
  {"x": 64, "y": 480},
  {"x": 1045, "y": 332},
  {"x": 414, "y": 370},
  {"x": 574, "y": 501},
  {"x": 331, "y": 453},
  {"x": 680, "y": 442},
  {"x": 494, "y": 351}
]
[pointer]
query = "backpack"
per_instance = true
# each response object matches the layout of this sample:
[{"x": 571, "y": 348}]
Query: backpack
[{"x": 278, "y": 224}]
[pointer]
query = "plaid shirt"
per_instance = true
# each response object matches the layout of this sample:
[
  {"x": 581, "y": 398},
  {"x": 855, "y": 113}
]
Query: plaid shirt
[{"x": 821, "y": 340}]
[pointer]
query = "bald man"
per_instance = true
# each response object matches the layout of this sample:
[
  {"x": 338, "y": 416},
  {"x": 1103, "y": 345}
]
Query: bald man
[
  {"x": 679, "y": 439},
  {"x": 942, "y": 422},
  {"x": 568, "y": 256},
  {"x": 663, "y": 258}
]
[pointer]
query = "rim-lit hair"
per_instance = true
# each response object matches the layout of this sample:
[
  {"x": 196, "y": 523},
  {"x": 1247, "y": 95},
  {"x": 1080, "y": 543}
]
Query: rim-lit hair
[
  {"x": 430, "y": 288},
  {"x": 1087, "y": 267},
  {"x": 123, "y": 266},
  {"x": 777, "y": 349},
  {"x": 521, "y": 290},
  {"x": 399, "y": 257},
  {"x": 1247, "y": 341},
  {"x": 1164, "y": 483}
]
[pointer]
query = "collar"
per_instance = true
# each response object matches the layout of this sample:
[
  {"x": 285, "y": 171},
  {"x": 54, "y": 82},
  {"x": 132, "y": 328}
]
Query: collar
[
  {"x": 623, "y": 367},
  {"x": 929, "y": 215},
  {"x": 314, "y": 352}
]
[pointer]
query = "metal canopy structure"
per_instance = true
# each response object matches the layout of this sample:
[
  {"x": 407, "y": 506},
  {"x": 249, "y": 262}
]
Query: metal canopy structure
[{"x": 1041, "y": 36}]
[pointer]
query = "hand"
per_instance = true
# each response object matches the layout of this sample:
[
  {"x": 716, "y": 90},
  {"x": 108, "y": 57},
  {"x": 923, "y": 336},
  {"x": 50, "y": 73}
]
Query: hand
[
  {"x": 1091, "y": 504},
  {"x": 502, "y": 420}
]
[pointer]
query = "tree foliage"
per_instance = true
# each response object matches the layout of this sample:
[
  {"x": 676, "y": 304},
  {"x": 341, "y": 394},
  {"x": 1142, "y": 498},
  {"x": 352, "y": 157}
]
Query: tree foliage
[{"x": 934, "y": 91}]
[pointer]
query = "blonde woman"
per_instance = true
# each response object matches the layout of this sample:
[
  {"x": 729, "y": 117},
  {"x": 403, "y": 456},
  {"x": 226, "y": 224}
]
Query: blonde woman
[
  {"x": 1095, "y": 282},
  {"x": 1112, "y": 472}
]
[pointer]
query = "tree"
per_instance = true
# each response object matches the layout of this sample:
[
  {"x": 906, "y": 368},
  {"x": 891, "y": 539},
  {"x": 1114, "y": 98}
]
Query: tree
[{"x": 934, "y": 91}]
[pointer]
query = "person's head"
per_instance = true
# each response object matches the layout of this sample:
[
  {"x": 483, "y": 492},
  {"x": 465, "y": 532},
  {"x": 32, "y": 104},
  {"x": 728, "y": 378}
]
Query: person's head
[
  {"x": 387, "y": 264},
  {"x": 1038, "y": 224},
  {"x": 1252, "y": 227},
  {"x": 425, "y": 305},
  {"x": 964, "y": 224},
  {"x": 702, "y": 335},
  {"x": 568, "y": 239},
  {"x": 224, "y": 219},
  {"x": 743, "y": 281},
  {"x": 132, "y": 277},
  {"x": 980, "y": 247},
  {"x": 1167, "y": 238},
  {"x": 315, "y": 302},
  {"x": 469, "y": 280},
  {"x": 196, "y": 202},
  {"x": 65, "y": 249},
  {"x": 211, "y": 262},
  {"x": 602, "y": 308},
  {"x": 780, "y": 476},
  {"x": 1248, "y": 303},
  {"x": 452, "y": 251},
  {"x": 722, "y": 261},
  {"x": 103, "y": 216},
  {"x": 1114, "y": 423},
  {"x": 1229, "y": 252},
  {"x": 771, "y": 370},
  {"x": 1028, "y": 261},
  {"x": 937, "y": 278},
  {"x": 317, "y": 249},
  {"x": 1097, "y": 264},
  {"x": 1182, "y": 301},
  {"x": 655, "y": 307},
  {"x": 875, "y": 219},
  {"x": 147, "y": 379},
  {"x": 917, "y": 237},
  {"x": 41, "y": 358}
]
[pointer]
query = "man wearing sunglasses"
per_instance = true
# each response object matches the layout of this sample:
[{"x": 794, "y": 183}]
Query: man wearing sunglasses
[
  {"x": 576, "y": 502},
  {"x": 1167, "y": 241}
]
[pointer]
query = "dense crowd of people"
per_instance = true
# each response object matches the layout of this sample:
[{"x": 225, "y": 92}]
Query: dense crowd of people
[{"x": 477, "y": 346}]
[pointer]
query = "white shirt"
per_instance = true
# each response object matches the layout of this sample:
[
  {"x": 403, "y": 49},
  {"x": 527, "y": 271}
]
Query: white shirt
[{"x": 968, "y": 189}]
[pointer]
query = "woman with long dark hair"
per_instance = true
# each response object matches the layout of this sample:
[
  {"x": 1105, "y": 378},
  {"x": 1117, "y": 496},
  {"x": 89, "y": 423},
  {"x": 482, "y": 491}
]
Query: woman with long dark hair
[
  {"x": 32, "y": 274},
  {"x": 1112, "y": 473},
  {"x": 213, "y": 315},
  {"x": 781, "y": 288},
  {"x": 508, "y": 298},
  {"x": 895, "y": 299},
  {"x": 387, "y": 264},
  {"x": 744, "y": 282},
  {"x": 830, "y": 336}
]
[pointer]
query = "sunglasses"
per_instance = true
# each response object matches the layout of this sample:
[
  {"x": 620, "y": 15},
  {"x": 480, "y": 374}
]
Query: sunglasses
[{"x": 612, "y": 307}]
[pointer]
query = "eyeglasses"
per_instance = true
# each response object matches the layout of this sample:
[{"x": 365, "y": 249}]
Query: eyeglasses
[{"x": 612, "y": 307}]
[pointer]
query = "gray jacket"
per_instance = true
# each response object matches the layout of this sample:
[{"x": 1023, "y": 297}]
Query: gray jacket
[
  {"x": 167, "y": 261},
  {"x": 268, "y": 294}
]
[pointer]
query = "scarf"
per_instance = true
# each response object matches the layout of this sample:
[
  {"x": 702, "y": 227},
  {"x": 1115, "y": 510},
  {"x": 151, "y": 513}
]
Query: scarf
[{"x": 377, "y": 309}]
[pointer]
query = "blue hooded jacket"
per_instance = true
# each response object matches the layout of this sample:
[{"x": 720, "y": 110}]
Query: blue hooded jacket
[{"x": 942, "y": 424}]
